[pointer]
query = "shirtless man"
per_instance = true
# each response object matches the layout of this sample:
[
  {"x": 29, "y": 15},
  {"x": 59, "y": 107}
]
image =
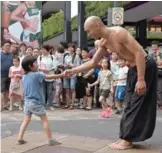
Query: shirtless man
[{"x": 139, "y": 117}]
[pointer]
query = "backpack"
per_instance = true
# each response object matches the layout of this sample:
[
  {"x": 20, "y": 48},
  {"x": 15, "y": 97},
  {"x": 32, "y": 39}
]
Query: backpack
[
  {"x": 65, "y": 56},
  {"x": 68, "y": 54}
]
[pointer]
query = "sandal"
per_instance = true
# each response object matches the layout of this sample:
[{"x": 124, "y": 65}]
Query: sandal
[
  {"x": 71, "y": 107},
  {"x": 66, "y": 106},
  {"x": 82, "y": 107},
  {"x": 88, "y": 108}
]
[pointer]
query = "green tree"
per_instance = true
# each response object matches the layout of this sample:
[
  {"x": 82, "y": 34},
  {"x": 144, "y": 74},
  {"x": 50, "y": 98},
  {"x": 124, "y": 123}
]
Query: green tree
[{"x": 54, "y": 24}]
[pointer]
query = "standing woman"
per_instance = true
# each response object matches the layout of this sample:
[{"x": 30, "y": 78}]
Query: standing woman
[
  {"x": 46, "y": 65},
  {"x": 69, "y": 84}
]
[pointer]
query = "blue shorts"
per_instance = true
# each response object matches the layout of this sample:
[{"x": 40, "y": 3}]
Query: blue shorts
[
  {"x": 69, "y": 83},
  {"x": 36, "y": 109},
  {"x": 120, "y": 93}
]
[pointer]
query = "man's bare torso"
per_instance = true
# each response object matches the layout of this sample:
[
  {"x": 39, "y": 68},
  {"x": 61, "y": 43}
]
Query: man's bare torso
[{"x": 113, "y": 46}]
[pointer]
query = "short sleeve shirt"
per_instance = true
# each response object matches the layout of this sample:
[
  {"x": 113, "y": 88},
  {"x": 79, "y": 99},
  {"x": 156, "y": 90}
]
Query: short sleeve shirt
[{"x": 33, "y": 87}]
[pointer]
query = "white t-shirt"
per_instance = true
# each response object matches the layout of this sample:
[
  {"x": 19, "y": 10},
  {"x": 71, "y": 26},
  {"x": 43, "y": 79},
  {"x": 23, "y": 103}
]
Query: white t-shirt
[
  {"x": 114, "y": 69},
  {"x": 21, "y": 59},
  {"x": 46, "y": 62},
  {"x": 122, "y": 73}
]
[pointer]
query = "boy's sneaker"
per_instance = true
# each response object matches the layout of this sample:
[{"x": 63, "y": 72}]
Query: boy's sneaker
[
  {"x": 53, "y": 142},
  {"x": 20, "y": 142},
  {"x": 118, "y": 112}
]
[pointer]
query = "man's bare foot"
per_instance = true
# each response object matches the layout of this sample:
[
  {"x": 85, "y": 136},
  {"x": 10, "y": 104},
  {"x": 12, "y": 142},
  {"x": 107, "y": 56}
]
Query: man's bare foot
[
  {"x": 121, "y": 145},
  {"x": 115, "y": 142}
]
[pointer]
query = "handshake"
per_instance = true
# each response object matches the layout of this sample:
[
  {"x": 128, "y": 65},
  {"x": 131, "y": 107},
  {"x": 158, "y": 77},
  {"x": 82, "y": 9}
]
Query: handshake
[{"x": 67, "y": 73}]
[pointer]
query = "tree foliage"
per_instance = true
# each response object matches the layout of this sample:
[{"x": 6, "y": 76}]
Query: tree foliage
[{"x": 55, "y": 24}]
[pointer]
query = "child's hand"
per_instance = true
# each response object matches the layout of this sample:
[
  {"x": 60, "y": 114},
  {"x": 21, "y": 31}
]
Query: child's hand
[
  {"x": 111, "y": 91},
  {"x": 160, "y": 63},
  {"x": 18, "y": 75},
  {"x": 44, "y": 70},
  {"x": 89, "y": 85},
  {"x": 14, "y": 76},
  {"x": 17, "y": 79},
  {"x": 62, "y": 75},
  {"x": 85, "y": 76},
  {"x": 68, "y": 73},
  {"x": 88, "y": 89},
  {"x": 71, "y": 65}
]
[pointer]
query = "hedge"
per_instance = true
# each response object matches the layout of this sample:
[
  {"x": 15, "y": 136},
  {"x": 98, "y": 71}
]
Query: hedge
[{"x": 55, "y": 24}]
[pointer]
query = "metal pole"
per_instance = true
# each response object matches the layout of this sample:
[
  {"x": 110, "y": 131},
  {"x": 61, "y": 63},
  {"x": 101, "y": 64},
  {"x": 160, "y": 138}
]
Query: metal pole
[
  {"x": 116, "y": 3},
  {"x": 0, "y": 23},
  {"x": 109, "y": 17},
  {"x": 82, "y": 37},
  {"x": 67, "y": 22}
]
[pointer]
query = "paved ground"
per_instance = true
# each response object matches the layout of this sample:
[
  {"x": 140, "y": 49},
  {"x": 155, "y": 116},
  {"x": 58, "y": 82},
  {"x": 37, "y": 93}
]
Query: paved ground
[{"x": 79, "y": 132}]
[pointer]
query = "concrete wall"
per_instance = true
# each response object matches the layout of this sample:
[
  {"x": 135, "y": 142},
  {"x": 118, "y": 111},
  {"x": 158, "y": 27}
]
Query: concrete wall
[{"x": 56, "y": 40}]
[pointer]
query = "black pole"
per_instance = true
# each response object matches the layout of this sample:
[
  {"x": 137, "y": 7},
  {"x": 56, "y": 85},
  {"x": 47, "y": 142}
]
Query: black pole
[
  {"x": 0, "y": 25},
  {"x": 67, "y": 22},
  {"x": 82, "y": 36},
  {"x": 141, "y": 32},
  {"x": 116, "y": 4}
]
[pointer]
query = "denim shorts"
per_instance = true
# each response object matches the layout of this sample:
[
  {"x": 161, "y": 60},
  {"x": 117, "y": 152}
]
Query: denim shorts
[
  {"x": 69, "y": 83},
  {"x": 104, "y": 93},
  {"x": 120, "y": 93},
  {"x": 32, "y": 108}
]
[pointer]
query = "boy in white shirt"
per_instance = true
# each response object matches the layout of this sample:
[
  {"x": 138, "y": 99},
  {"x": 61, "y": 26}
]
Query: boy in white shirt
[{"x": 121, "y": 85}]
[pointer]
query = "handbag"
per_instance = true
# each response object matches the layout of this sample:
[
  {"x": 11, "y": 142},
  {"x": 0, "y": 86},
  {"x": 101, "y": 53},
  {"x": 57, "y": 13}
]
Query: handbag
[{"x": 15, "y": 86}]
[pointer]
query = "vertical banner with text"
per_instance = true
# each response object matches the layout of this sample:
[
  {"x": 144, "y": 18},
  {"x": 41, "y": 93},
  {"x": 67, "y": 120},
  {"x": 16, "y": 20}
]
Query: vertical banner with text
[{"x": 21, "y": 22}]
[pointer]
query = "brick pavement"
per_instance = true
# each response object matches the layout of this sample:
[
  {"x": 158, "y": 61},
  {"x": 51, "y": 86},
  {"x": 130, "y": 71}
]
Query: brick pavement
[{"x": 70, "y": 143}]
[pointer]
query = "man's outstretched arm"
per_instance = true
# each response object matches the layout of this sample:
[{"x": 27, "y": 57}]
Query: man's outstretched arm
[{"x": 93, "y": 62}]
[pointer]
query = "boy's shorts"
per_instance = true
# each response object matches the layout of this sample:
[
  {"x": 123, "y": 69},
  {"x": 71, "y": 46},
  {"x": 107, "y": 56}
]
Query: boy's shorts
[
  {"x": 32, "y": 108},
  {"x": 104, "y": 93},
  {"x": 120, "y": 93}
]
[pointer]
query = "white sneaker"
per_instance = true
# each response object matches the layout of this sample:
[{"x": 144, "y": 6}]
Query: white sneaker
[
  {"x": 52, "y": 109},
  {"x": 20, "y": 108},
  {"x": 11, "y": 109},
  {"x": 16, "y": 104}
]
